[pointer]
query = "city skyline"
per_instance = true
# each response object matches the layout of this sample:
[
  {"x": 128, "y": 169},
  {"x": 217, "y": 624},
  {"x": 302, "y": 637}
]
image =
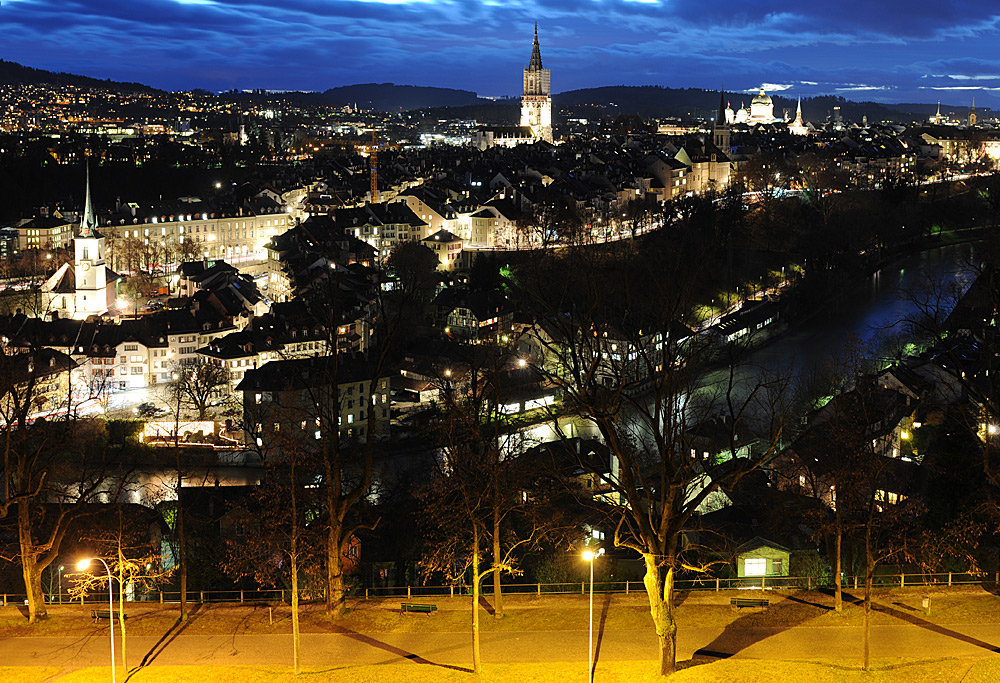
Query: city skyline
[{"x": 889, "y": 52}]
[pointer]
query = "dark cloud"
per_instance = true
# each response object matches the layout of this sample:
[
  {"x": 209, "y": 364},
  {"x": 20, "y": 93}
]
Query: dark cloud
[{"x": 847, "y": 47}]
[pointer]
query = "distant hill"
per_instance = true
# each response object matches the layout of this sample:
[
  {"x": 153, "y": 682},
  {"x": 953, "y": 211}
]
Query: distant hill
[
  {"x": 385, "y": 97},
  {"x": 392, "y": 97},
  {"x": 655, "y": 101},
  {"x": 12, "y": 73}
]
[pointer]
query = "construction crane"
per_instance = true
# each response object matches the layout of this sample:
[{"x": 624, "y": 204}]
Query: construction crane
[{"x": 374, "y": 162}]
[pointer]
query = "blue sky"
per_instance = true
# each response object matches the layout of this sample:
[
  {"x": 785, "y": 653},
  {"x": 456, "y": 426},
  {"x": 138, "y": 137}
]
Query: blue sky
[{"x": 886, "y": 50}]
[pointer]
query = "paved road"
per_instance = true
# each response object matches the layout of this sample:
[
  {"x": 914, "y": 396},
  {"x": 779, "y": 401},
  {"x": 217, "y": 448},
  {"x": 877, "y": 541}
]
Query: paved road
[{"x": 453, "y": 649}]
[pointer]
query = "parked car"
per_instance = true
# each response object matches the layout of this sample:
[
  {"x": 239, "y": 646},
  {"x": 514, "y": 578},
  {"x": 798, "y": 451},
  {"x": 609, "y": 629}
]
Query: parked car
[{"x": 147, "y": 409}]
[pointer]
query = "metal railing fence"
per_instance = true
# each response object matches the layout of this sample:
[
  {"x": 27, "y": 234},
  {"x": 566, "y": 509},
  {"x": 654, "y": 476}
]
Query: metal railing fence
[{"x": 706, "y": 584}]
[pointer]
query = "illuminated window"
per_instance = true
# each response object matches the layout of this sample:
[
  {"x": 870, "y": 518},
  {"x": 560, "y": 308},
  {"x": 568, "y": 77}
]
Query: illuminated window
[{"x": 755, "y": 566}]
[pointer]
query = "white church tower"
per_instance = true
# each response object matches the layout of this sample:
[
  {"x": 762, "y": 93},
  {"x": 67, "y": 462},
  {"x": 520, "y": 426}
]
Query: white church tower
[
  {"x": 94, "y": 293},
  {"x": 536, "y": 103}
]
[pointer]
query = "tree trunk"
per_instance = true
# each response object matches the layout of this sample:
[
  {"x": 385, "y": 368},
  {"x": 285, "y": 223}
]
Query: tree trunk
[
  {"x": 182, "y": 557},
  {"x": 477, "y": 663},
  {"x": 121, "y": 604},
  {"x": 33, "y": 584},
  {"x": 181, "y": 541},
  {"x": 296, "y": 642},
  {"x": 294, "y": 556},
  {"x": 838, "y": 584},
  {"x": 661, "y": 607},
  {"x": 30, "y": 566},
  {"x": 497, "y": 595},
  {"x": 335, "y": 599},
  {"x": 869, "y": 571}
]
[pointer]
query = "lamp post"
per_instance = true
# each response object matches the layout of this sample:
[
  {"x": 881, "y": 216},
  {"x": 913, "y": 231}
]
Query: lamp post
[
  {"x": 61, "y": 567},
  {"x": 588, "y": 556},
  {"x": 81, "y": 566}
]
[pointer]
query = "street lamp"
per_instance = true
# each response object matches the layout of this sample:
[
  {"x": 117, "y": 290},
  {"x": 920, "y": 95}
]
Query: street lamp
[
  {"x": 61, "y": 567},
  {"x": 82, "y": 566},
  {"x": 588, "y": 556}
]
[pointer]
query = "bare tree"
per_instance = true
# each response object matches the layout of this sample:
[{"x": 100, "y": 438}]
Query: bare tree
[
  {"x": 127, "y": 545},
  {"x": 200, "y": 386},
  {"x": 613, "y": 344},
  {"x": 469, "y": 513},
  {"x": 52, "y": 469},
  {"x": 278, "y": 529}
]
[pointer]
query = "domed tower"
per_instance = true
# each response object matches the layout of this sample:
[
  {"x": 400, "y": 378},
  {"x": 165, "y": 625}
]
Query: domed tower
[
  {"x": 761, "y": 109},
  {"x": 536, "y": 103}
]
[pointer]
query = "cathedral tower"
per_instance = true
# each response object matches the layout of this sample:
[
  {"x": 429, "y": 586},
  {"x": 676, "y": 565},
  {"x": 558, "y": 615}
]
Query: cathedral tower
[
  {"x": 536, "y": 103},
  {"x": 720, "y": 128}
]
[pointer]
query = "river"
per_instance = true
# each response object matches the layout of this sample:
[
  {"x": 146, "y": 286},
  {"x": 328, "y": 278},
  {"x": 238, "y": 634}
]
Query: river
[
  {"x": 875, "y": 308},
  {"x": 878, "y": 306}
]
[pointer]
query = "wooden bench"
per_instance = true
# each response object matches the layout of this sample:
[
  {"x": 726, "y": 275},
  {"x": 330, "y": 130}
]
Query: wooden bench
[
  {"x": 98, "y": 614},
  {"x": 749, "y": 602},
  {"x": 417, "y": 607}
]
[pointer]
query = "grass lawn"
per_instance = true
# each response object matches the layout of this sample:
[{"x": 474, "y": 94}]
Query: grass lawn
[
  {"x": 727, "y": 671},
  {"x": 27, "y": 674}
]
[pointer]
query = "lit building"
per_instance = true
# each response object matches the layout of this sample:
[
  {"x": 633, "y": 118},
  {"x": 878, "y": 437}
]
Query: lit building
[
  {"x": 761, "y": 109},
  {"x": 209, "y": 234},
  {"x": 85, "y": 287},
  {"x": 536, "y": 103},
  {"x": 798, "y": 126}
]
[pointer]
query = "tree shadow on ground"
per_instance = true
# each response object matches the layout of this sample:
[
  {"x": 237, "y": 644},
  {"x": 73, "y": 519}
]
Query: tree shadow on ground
[
  {"x": 177, "y": 628},
  {"x": 754, "y": 626},
  {"x": 916, "y": 620},
  {"x": 485, "y": 604},
  {"x": 392, "y": 649}
]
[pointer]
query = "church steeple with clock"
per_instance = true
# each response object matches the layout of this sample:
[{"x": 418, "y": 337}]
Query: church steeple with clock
[
  {"x": 93, "y": 295},
  {"x": 84, "y": 287}
]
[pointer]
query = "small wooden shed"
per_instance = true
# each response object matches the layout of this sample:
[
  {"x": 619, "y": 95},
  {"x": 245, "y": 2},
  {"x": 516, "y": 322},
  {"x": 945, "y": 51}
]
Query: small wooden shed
[{"x": 761, "y": 557}]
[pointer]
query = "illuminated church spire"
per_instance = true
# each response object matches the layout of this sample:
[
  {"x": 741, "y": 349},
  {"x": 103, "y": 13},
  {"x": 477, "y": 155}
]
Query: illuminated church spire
[
  {"x": 88, "y": 225},
  {"x": 798, "y": 126},
  {"x": 536, "y": 54},
  {"x": 536, "y": 103}
]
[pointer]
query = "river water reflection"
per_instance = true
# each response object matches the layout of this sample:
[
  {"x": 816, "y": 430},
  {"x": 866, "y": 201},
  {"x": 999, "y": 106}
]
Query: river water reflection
[{"x": 868, "y": 312}]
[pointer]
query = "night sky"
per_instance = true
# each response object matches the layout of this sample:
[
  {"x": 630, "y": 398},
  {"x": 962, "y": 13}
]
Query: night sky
[{"x": 886, "y": 50}]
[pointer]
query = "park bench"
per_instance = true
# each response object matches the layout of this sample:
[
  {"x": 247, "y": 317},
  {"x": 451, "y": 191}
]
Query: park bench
[
  {"x": 417, "y": 607},
  {"x": 749, "y": 602},
  {"x": 98, "y": 614}
]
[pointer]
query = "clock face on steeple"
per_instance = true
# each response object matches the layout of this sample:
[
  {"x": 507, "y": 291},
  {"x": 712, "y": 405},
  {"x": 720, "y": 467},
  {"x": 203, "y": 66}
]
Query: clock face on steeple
[{"x": 85, "y": 266}]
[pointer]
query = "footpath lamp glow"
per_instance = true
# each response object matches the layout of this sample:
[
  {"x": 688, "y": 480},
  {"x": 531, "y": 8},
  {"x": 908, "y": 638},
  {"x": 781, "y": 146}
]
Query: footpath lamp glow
[{"x": 82, "y": 566}]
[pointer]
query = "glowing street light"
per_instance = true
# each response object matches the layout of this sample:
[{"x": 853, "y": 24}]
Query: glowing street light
[
  {"x": 82, "y": 566},
  {"x": 588, "y": 556}
]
